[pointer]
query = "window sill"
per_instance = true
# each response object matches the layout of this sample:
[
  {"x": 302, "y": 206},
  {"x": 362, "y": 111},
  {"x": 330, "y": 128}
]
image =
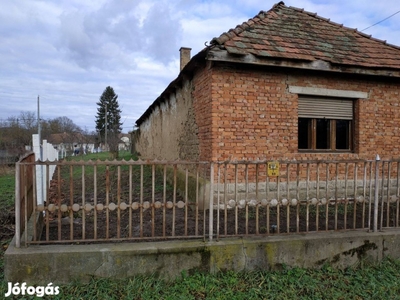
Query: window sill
[{"x": 325, "y": 151}]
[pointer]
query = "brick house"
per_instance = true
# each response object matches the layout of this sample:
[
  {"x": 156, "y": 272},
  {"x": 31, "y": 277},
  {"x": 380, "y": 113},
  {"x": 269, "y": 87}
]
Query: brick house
[{"x": 286, "y": 84}]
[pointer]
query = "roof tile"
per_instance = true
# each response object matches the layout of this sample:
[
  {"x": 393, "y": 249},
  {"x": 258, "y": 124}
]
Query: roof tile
[{"x": 292, "y": 33}]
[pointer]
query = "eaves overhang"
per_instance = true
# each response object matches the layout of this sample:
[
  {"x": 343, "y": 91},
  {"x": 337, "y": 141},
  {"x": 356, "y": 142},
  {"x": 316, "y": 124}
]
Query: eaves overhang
[{"x": 317, "y": 65}]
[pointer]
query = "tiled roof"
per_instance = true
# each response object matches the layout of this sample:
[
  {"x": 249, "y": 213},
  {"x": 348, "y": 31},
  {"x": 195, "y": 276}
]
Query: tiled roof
[
  {"x": 291, "y": 33},
  {"x": 295, "y": 35}
]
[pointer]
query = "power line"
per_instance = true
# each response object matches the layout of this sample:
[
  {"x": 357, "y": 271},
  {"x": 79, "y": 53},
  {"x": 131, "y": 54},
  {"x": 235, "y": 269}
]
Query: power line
[{"x": 382, "y": 20}]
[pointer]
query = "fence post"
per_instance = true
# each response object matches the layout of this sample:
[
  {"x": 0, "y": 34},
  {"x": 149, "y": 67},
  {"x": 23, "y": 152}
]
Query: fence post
[
  {"x": 17, "y": 206},
  {"x": 376, "y": 200},
  {"x": 210, "y": 220}
]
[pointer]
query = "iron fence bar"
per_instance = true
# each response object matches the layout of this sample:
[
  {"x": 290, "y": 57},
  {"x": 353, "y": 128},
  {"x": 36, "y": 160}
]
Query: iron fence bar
[
  {"x": 83, "y": 203},
  {"x": 364, "y": 194},
  {"x": 26, "y": 205},
  {"x": 382, "y": 194},
  {"x": 153, "y": 186},
  {"x": 130, "y": 195},
  {"x": 18, "y": 204},
  {"x": 277, "y": 207},
  {"x": 174, "y": 201},
  {"x": 71, "y": 202},
  {"x": 119, "y": 201},
  {"x": 267, "y": 197},
  {"x": 95, "y": 201},
  {"x": 205, "y": 169},
  {"x": 107, "y": 201},
  {"x": 236, "y": 200},
  {"x": 336, "y": 195},
  {"x": 397, "y": 194},
  {"x": 318, "y": 199},
  {"x": 308, "y": 198},
  {"x": 287, "y": 199},
  {"x": 355, "y": 196},
  {"x": 141, "y": 202},
  {"x": 218, "y": 199},
  {"x": 388, "y": 193},
  {"x": 197, "y": 201},
  {"x": 257, "y": 205},
  {"x": 298, "y": 197},
  {"x": 165, "y": 199},
  {"x": 34, "y": 204},
  {"x": 327, "y": 179},
  {"x": 326, "y": 196},
  {"x": 376, "y": 200},
  {"x": 210, "y": 220},
  {"x": 47, "y": 222},
  {"x": 345, "y": 194},
  {"x": 58, "y": 197},
  {"x": 225, "y": 199},
  {"x": 370, "y": 196}
]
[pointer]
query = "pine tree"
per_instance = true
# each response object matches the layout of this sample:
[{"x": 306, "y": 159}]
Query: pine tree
[{"x": 108, "y": 103}]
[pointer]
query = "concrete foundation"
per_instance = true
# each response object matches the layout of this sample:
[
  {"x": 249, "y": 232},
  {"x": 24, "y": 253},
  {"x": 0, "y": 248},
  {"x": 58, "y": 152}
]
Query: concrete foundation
[{"x": 168, "y": 259}]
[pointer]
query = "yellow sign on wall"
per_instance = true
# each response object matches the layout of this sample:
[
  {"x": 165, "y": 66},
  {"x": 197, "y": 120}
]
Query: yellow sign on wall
[{"x": 273, "y": 168}]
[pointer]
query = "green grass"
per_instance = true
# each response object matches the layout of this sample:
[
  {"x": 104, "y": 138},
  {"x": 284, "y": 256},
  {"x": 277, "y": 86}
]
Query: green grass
[
  {"x": 126, "y": 155},
  {"x": 65, "y": 174},
  {"x": 7, "y": 186},
  {"x": 372, "y": 282},
  {"x": 367, "y": 282},
  {"x": 89, "y": 170}
]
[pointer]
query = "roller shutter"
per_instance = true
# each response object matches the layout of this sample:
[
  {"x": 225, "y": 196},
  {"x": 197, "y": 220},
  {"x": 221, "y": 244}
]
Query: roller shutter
[{"x": 325, "y": 108}]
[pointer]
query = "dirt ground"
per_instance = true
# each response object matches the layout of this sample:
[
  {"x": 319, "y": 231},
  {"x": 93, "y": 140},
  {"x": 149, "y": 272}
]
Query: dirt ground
[{"x": 173, "y": 224}]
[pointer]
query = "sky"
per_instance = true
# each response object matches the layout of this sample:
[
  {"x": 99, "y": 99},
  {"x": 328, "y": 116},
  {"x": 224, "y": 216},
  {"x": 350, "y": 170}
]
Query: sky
[{"x": 66, "y": 52}]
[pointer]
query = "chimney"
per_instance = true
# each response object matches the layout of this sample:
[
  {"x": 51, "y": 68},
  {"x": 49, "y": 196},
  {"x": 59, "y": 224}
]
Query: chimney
[{"x": 185, "y": 56}]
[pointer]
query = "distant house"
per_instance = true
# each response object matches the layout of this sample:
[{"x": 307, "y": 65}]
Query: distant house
[
  {"x": 125, "y": 142},
  {"x": 70, "y": 143},
  {"x": 286, "y": 84}
]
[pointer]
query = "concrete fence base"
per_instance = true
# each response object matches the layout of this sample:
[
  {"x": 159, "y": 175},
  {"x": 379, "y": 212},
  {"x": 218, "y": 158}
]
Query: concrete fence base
[{"x": 64, "y": 263}]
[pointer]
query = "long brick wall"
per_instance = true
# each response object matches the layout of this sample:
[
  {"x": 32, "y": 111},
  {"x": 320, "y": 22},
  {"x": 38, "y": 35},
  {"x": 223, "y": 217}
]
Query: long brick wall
[{"x": 227, "y": 112}]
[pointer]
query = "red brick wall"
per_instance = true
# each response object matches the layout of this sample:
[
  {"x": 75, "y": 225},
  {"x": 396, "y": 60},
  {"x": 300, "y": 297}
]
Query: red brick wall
[
  {"x": 253, "y": 116},
  {"x": 202, "y": 105}
]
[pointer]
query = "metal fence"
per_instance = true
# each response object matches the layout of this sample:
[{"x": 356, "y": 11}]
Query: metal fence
[
  {"x": 98, "y": 201},
  {"x": 25, "y": 193}
]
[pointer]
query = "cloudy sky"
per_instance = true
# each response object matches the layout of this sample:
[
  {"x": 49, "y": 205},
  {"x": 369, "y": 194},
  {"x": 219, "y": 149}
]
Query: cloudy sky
[{"x": 68, "y": 51}]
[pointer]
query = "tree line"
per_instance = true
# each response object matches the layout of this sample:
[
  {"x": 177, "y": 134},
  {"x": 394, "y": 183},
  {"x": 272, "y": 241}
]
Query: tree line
[{"x": 16, "y": 132}]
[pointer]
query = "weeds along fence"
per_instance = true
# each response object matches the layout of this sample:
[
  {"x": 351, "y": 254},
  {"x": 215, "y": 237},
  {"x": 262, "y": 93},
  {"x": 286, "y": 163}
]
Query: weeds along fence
[{"x": 98, "y": 201}]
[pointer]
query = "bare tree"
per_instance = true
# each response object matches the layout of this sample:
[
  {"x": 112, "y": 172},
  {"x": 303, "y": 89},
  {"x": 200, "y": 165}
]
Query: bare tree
[{"x": 20, "y": 130}]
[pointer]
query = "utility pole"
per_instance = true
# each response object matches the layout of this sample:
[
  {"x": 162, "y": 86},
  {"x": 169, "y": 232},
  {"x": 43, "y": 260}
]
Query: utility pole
[
  {"x": 38, "y": 121},
  {"x": 41, "y": 173}
]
